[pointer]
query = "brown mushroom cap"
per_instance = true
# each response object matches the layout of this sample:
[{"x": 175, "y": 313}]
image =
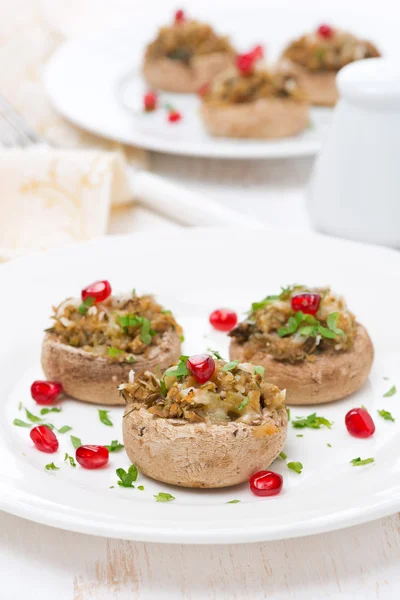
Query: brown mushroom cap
[
  {"x": 200, "y": 455},
  {"x": 332, "y": 376},
  {"x": 174, "y": 76},
  {"x": 92, "y": 378}
]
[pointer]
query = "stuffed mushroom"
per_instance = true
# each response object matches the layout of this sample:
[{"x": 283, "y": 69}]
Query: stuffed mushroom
[
  {"x": 185, "y": 56},
  {"x": 94, "y": 342},
  {"x": 308, "y": 342},
  {"x": 248, "y": 101},
  {"x": 206, "y": 423},
  {"x": 316, "y": 58}
]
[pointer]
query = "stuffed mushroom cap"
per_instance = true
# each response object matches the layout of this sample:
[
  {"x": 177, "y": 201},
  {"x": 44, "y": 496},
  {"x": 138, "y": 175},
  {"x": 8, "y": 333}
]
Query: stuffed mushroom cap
[
  {"x": 308, "y": 342},
  {"x": 91, "y": 349},
  {"x": 204, "y": 435}
]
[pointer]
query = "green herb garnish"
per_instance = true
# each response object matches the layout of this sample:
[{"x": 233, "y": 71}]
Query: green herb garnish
[
  {"x": 19, "y": 405},
  {"x": 76, "y": 442},
  {"x": 103, "y": 416},
  {"x": 33, "y": 417},
  {"x": 257, "y": 305},
  {"x": 229, "y": 366},
  {"x": 244, "y": 403},
  {"x": 69, "y": 458},
  {"x": 89, "y": 301},
  {"x": 146, "y": 332},
  {"x": 113, "y": 352},
  {"x": 141, "y": 487},
  {"x": 329, "y": 445},
  {"x": 297, "y": 467},
  {"x": 358, "y": 462},
  {"x": 163, "y": 388},
  {"x": 391, "y": 392},
  {"x": 126, "y": 478},
  {"x": 64, "y": 429},
  {"x": 332, "y": 321},
  {"x": 46, "y": 411},
  {"x": 52, "y": 467},
  {"x": 283, "y": 455},
  {"x": 131, "y": 359},
  {"x": 179, "y": 371},
  {"x": 259, "y": 370},
  {"x": 312, "y": 421},
  {"x": 215, "y": 353},
  {"x": 288, "y": 413},
  {"x": 233, "y": 501},
  {"x": 20, "y": 423},
  {"x": 386, "y": 415},
  {"x": 115, "y": 446},
  {"x": 163, "y": 497},
  {"x": 299, "y": 435}
]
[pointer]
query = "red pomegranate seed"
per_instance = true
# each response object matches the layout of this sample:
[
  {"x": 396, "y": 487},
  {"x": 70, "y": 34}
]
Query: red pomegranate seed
[
  {"x": 307, "y": 303},
  {"x": 257, "y": 52},
  {"x": 174, "y": 116},
  {"x": 46, "y": 392},
  {"x": 325, "y": 31},
  {"x": 99, "y": 291},
  {"x": 44, "y": 439},
  {"x": 223, "y": 319},
  {"x": 245, "y": 63},
  {"x": 150, "y": 101},
  {"x": 266, "y": 483},
  {"x": 201, "y": 367},
  {"x": 92, "y": 457},
  {"x": 180, "y": 16},
  {"x": 359, "y": 423}
]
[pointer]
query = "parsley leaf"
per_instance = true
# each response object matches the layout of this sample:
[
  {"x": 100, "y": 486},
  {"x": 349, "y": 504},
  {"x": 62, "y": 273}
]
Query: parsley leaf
[
  {"x": 259, "y": 370},
  {"x": 229, "y": 366},
  {"x": 329, "y": 445},
  {"x": 326, "y": 333},
  {"x": 115, "y": 446},
  {"x": 89, "y": 301},
  {"x": 163, "y": 388},
  {"x": 140, "y": 487},
  {"x": 33, "y": 417},
  {"x": 283, "y": 456},
  {"x": 332, "y": 321},
  {"x": 113, "y": 352},
  {"x": 64, "y": 429},
  {"x": 391, "y": 392},
  {"x": 292, "y": 325},
  {"x": 297, "y": 467},
  {"x": 19, "y": 405},
  {"x": 146, "y": 332},
  {"x": 45, "y": 411},
  {"x": 233, "y": 501},
  {"x": 386, "y": 415},
  {"x": 358, "y": 462},
  {"x": 244, "y": 403},
  {"x": 312, "y": 421},
  {"x": 215, "y": 353},
  {"x": 288, "y": 413},
  {"x": 69, "y": 458},
  {"x": 103, "y": 416},
  {"x": 52, "y": 467},
  {"x": 164, "y": 497},
  {"x": 299, "y": 435},
  {"x": 76, "y": 442},
  {"x": 257, "y": 305},
  {"x": 131, "y": 359},
  {"x": 126, "y": 478},
  {"x": 136, "y": 321},
  {"x": 181, "y": 370},
  {"x": 20, "y": 423}
]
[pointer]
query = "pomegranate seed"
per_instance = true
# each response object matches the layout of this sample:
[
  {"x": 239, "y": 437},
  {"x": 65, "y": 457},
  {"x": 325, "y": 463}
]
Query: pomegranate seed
[
  {"x": 174, "y": 116},
  {"x": 223, "y": 319},
  {"x": 266, "y": 483},
  {"x": 257, "y": 52},
  {"x": 325, "y": 31},
  {"x": 92, "y": 457},
  {"x": 46, "y": 392},
  {"x": 44, "y": 439},
  {"x": 307, "y": 303},
  {"x": 99, "y": 291},
  {"x": 180, "y": 16},
  {"x": 201, "y": 367},
  {"x": 245, "y": 62},
  {"x": 150, "y": 101},
  {"x": 359, "y": 423}
]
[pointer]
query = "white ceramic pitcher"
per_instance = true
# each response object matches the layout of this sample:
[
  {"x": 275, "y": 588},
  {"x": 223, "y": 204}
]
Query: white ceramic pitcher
[{"x": 355, "y": 185}]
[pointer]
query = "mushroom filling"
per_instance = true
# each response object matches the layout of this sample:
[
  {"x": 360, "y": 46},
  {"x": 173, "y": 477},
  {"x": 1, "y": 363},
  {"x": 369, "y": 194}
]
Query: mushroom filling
[
  {"x": 235, "y": 88},
  {"x": 278, "y": 326},
  {"x": 316, "y": 53},
  {"x": 183, "y": 41},
  {"x": 119, "y": 328},
  {"x": 235, "y": 392}
]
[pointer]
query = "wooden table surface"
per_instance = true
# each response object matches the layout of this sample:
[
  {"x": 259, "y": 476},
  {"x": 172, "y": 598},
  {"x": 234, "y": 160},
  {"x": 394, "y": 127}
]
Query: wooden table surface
[{"x": 360, "y": 562}]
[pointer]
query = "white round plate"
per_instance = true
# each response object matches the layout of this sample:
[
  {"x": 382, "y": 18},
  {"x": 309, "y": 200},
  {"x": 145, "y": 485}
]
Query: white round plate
[
  {"x": 330, "y": 493},
  {"x": 96, "y": 83}
]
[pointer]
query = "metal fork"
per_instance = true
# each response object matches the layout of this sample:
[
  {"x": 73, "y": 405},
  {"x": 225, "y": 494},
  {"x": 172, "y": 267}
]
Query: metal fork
[{"x": 14, "y": 130}]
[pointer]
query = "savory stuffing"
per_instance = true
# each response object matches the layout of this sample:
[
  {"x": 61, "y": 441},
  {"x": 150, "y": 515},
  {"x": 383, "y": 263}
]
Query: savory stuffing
[
  {"x": 234, "y": 87},
  {"x": 183, "y": 41},
  {"x": 235, "y": 392},
  {"x": 287, "y": 334},
  {"x": 318, "y": 53},
  {"x": 120, "y": 327}
]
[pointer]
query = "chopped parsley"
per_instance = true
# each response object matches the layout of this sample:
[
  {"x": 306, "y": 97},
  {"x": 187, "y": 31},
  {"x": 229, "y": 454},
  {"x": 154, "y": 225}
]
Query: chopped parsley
[
  {"x": 19, "y": 405},
  {"x": 309, "y": 326},
  {"x": 33, "y": 417},
  {"x": 179, "y": 371},
  {"x": 20, "y": 423},
  {"x": 76, "y": 442},
  {"x": 113, "y": 352},
  {"x": 299, "y": 435},
  {"x": 288, "y": 413},
  {"x": 390, "y": 392},
  {"x": 89, "y": 301},
  {"x": 312, "y": 421},
  {"x": 163, "y": 388},
  {"x": 329, "y": 445},
  {"x": 103, "y": 416},
  {"x": 165, "y": 311},
  {"x": 131, "y": 359},
  {"x": 45, "y": 411},
  {"x": 70, "y": 459},
  {"x": 233, "y": 501},
  {"x": 215, "y": 353},
  {"x": 385, "y": 414},
  {"x": 163, "y": 497},
  {"x": 229, "y": 366},
  {"x": 141, "y": 487},
  {"x": 332, "y": 321},
  {"x": 244, "y": 403},
  {"x": 297, "y": 467},
  {"x": 126, "y": 478},
  {"x": 115, "y": 446},
  {"x": 64, "y": 429},
  {"x": 52, "y": 467},
  {"x": 259, "y": 370},
  {"x": 358, "y": 462},
  {"x": 257, "y": 305},
  {"x": 146, "y": 332},
  {"x": 283, "y": 456}
]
